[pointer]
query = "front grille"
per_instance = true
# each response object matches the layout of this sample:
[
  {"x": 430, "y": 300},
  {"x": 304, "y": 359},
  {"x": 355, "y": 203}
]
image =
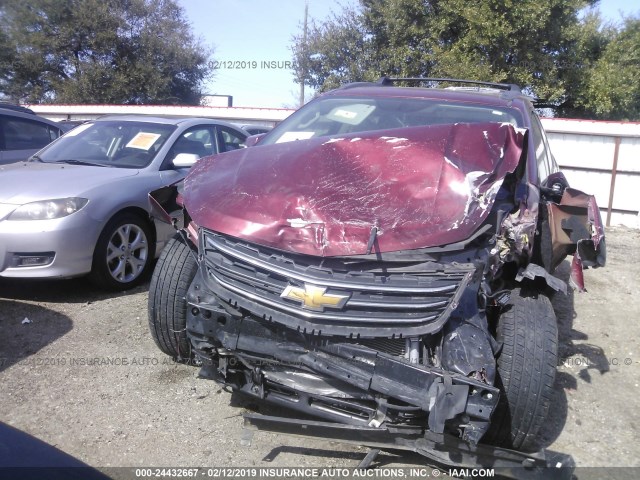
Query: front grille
[
  {"x": 395, "y": 347},
  {"x": 375, "y": 292},
  {"x": 390, "y": 346}
]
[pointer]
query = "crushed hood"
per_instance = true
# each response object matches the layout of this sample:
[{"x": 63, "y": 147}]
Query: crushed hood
[{"x": 419, "y": 186}]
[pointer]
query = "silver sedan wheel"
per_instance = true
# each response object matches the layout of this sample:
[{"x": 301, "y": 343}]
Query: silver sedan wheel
[{"x": 127, "y": 253}]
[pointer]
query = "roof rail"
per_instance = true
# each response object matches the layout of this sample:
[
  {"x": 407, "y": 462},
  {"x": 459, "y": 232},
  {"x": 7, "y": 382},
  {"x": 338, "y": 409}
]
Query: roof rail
[
  {"x": 512, "y": 87},
  {"x": 356, "y": 84},
  {"x": 15, "y": 107},
  {"x": 537, "y": 103}
]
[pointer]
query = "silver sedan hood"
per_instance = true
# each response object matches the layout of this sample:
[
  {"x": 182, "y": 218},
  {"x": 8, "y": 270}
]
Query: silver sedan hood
[{"x": 27, "y": 182}]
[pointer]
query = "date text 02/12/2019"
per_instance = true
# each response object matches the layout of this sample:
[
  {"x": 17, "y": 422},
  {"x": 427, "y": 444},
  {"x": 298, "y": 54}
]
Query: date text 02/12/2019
[{"x": 251, "y": 64}]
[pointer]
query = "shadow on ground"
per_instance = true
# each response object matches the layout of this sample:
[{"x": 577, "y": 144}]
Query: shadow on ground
[
  {"x": 26, "y": 457},
  {"x": 26, "y": 328},
  {"x": 594, "y": 356},
  {"x": 75, "y": 290}
]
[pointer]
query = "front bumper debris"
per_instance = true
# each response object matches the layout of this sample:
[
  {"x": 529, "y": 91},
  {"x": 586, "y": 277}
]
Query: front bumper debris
[{"x": 444, "y": 450}]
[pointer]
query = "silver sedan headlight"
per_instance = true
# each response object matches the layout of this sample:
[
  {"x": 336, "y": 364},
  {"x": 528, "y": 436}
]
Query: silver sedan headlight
[{"x": 48, "y": 209}]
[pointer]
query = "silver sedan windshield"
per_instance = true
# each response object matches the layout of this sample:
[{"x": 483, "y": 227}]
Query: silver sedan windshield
[{"x": 110, "y": 144}]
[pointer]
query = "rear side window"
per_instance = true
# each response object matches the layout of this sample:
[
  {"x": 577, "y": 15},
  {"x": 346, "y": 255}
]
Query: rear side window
[
  {"x": 230, "y": 139},
  {"x": 23, "y": 134},
  {"x": 199, "y": 140}
]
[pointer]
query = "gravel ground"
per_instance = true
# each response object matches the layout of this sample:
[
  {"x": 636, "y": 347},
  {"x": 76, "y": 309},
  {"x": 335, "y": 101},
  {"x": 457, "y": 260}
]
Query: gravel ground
[{"x": 79, "y": 371}]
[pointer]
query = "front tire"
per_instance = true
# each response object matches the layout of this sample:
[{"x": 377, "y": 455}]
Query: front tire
[
  {"x": 123, "y": 254},
  {"x": 528, "y": 331},
  {"x": 176, "y": 268}
]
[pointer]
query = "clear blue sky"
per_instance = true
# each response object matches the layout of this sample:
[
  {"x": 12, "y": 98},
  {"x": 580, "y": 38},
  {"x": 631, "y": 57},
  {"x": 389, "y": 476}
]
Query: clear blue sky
[{"x": 261, "y": 31}]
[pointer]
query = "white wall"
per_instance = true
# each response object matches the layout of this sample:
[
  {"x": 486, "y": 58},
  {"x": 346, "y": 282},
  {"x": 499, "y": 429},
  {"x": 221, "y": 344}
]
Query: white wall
[
  {"x": 266, "y": 116},
  {"x": 585, "y": 151}
]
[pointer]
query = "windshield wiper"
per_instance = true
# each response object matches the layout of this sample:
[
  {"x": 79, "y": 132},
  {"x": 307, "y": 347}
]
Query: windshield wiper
[
  {"x": 35, "y": 158},
  {"x": 81, "y": 162}
]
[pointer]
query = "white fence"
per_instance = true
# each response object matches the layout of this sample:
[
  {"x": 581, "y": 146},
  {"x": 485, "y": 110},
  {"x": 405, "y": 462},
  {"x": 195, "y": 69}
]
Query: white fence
[
  {"x": 246, "y": 115},
  {"x": 602, "y": 158}
]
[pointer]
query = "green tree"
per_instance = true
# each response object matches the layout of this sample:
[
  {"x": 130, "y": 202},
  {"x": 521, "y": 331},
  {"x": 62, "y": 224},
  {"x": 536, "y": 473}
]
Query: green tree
[
  {"x": 590, "y": 38},
  {"x": 554, "y": 49},
  {"x": 335, "y": 52},
  {"x": 613, "y": 84},
  {"x": 100, "y": 51},
  {"x": 6, "y": 60}
]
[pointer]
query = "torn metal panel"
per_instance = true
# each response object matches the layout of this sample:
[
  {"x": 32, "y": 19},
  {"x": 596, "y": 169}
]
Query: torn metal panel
[
  {"x": 514, "y": 241},
  {"x": 517, "y": 234},
  {"x": 166, "y": 205},
  {"x": 426, "y": 186},
  {"x": 576, "y": 229},
  {"x": 532, "y": 271}
]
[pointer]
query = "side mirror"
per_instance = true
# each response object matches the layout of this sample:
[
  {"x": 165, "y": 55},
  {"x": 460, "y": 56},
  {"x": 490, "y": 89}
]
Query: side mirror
[
  {"x": 253, "y": 140},
  {"x": 185, "y": 160},
  {"x": 556, "y": 182}
]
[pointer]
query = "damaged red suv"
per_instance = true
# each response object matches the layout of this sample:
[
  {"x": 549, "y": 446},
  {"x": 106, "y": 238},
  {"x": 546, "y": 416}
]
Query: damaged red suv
[{"x": 381, "y": 261}]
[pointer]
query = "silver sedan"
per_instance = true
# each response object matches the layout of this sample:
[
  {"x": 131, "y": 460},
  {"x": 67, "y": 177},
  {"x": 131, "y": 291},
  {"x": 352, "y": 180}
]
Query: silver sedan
[{"x": 80, "y": 205}]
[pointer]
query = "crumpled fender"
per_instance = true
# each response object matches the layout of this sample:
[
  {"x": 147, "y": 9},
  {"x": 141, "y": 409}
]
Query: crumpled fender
[
  {"x": 576, "y": 229},
  {"x": 166, "y": 205}
]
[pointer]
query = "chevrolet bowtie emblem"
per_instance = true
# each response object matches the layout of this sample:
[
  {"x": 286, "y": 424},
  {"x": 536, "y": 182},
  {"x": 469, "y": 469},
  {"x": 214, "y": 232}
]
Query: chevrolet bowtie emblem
[{"x": 314, "y": 298}]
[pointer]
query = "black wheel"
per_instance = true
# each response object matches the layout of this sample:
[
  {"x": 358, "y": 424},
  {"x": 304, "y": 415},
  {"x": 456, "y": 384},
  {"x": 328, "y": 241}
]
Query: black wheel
[
  {"x": 528, "y": 332},
  {"x": 123, "y": 254},
  {"x": 171, "y": 278}
]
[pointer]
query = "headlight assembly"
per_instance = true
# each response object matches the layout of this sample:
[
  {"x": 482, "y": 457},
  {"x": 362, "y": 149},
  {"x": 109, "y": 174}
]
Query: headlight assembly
[{"x": 48, "y": 209}]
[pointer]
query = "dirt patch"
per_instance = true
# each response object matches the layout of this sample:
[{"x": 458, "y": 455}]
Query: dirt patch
[{"x": 84, "y": 376}]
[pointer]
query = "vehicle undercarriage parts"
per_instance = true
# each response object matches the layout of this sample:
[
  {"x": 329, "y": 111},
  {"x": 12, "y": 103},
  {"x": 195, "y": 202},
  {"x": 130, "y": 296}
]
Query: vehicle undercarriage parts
[
  {"x": 356, "y": 376},
  {"x": 533, "y": 271},
  {"x": 468, "y": 350},
  {"x": 443, "y": 449}
]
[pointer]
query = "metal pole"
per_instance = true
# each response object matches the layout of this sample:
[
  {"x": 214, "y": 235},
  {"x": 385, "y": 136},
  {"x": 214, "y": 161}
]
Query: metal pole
[
  {"x": 303, "y": 73},
  {"x": 614, "y": 172}
]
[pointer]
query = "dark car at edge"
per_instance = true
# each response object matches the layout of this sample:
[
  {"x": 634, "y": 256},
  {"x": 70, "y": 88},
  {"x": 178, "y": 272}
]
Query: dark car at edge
[{"x": 23, "y": 133}]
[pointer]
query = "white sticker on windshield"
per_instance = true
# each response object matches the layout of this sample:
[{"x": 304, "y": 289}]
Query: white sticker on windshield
[
  {"x": 143, "y": 140},
  {"x": 352, "y": 114},
  {"x": 291, "y": 136},
  {"x": 345, "y": 114}
]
